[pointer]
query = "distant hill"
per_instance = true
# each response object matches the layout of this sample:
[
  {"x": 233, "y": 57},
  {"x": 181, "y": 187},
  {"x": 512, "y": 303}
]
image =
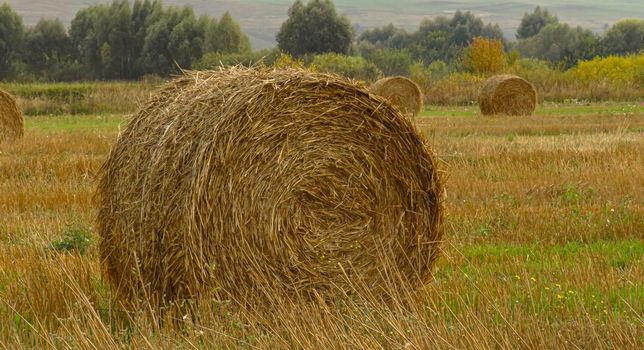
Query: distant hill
[{"x": 261, "y": 19}]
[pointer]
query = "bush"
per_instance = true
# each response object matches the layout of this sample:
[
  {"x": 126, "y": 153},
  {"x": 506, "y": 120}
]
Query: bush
[
  {"x": 354, "y": 67},
  {"x": 540, "y": 73},
  {"x": 391, "y": 62},
  {"x": 425, "y": 75},
  {"x": 287, "y": 61},
  {"x": 613, "y": 70},
  {"x": 485, "y": 56}
]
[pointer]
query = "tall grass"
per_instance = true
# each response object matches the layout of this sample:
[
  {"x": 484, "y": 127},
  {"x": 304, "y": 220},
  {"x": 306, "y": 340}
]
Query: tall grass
[
  {"x": 543, "y": 249},
  {"x": 79, "y": 98}
]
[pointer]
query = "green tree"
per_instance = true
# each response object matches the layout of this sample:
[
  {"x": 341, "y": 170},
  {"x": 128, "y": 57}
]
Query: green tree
[
  {"x": 47, "y": 49},
  {"x": 390, "y": 61},
  {"x": 186, "y": 39},
  {"x": 11, "y": 34},
  {"x": 120, "y": 41},
  {"x": 141, "y": 11},
  {"x": 174, "y": 38},
  {"x": 386, "y": 37},
  {"x": 533, "y": 22},
  {"x": 114, "y": 34},
  {"x": 441, "y": 38},
  {"x": 445, "y": 39},
  {"x": 315, "y": 28},
  {"x": 225, "y": 36},
  {"x": 81, "y": 33},
  {"x": 558, "y": 42},
  {"x": 624, "y": 37},
  {"x": 101, "y": 37},
  {"x": 155, "y": 56}
]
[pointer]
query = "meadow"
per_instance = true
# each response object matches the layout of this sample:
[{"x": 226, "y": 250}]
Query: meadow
[{"x": 543, "y": 244}]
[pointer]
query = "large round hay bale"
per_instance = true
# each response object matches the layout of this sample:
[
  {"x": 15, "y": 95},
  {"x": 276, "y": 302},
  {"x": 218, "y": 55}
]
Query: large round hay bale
[
  {"x": 240, "y": 182},
  {"x": 508, "y": 94},
  {"x": 11, "y": 121},
  {"x": 401, "y": 92}
]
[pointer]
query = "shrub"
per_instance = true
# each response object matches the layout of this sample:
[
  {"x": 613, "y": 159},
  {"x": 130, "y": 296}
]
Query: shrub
[
  {"x": 616, "y": 71},
  {"x": 485, "y": 56},
  {"x": 391, "y": 62},
  {"x": 285, "y": 60},
  {"x": 425, "y": 75},
  {"x": 353, "y": 67}
]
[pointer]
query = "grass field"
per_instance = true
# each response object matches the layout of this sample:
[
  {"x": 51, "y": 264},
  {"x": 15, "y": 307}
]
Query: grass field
[{"x": 544, "y": 244}]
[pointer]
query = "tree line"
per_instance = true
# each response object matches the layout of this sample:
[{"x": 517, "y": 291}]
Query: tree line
[
  {"x": 540, "y": 35},
  {"x": 121, "y": 40},
  {"x": 128, "y": 41}
]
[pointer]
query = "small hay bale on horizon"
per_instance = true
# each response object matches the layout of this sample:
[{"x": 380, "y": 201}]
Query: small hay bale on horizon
[
  {"x": 241, "y": 183},
  {"x": 402, "y": 92},
  {"x": 11, "y": 120},
  {"x": 507, "y": 94}
]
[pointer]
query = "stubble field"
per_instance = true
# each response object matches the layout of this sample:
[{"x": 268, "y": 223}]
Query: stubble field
[{"x": 544, "y": 244}]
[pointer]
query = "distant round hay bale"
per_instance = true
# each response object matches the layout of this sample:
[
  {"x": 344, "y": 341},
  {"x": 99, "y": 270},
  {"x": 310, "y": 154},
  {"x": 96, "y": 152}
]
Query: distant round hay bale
[
  {"x": 401, "y": 92},
  {"x": 11, "y": 121},
  {"x": 508, "y": 94},
  {"x": 240, "y": 182}
]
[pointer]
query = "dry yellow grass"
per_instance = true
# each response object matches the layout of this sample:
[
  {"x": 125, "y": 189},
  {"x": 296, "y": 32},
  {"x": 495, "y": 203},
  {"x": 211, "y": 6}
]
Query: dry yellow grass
[{"x": 543, "y": 250}]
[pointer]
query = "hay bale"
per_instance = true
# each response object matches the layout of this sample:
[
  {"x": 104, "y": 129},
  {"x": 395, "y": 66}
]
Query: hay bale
[
  {"x": 508, "y": 94},
  {"x": 239, "y": 182},
  {"x": 11, "y": 121},
  {"x": 401, "y": 92}
]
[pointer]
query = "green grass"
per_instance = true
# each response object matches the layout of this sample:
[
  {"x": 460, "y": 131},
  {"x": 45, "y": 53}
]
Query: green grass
[
  {"x": 36, "y": 99},
  {"x": 56, "y": 91},
  {"x": 569, "y": 108},
  {"x": 69, "y": 123},
  {"x": 619, "y": 253},
  {"x": 537, "y": 278}
]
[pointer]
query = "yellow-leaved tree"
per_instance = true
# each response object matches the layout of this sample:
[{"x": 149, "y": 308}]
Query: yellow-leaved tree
[{"x": 485, "y": 56}]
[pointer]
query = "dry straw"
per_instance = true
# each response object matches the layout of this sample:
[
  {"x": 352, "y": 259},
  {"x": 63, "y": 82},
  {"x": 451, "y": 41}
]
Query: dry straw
[
  {"x": 508, "y": 94},
  {"x": 11, "y": 121},
  {"x": 401, "y": 92},
  {"x": 238, "y": 183}
]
